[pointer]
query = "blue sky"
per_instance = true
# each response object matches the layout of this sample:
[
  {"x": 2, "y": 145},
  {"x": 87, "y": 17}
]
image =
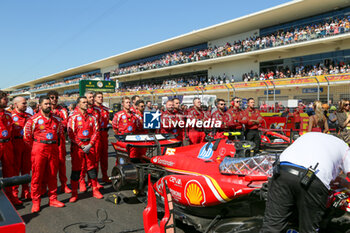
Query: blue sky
[{"x": 39, "y": 38}]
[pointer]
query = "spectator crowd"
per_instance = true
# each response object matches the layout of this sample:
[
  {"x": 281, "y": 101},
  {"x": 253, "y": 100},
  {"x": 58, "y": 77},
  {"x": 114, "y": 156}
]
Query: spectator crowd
[{"x": 331, "y": 27}]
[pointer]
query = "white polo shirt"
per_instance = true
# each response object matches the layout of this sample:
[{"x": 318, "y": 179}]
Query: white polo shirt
[{"x": 330, "y": 152}]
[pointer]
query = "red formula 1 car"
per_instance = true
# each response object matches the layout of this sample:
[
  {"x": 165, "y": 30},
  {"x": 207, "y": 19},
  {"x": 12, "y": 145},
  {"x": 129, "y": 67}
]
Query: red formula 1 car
[
  {"x": 10, "y": 221},
  {"x": 275, "y": 139},
  {"x": 213, "y": 185}
]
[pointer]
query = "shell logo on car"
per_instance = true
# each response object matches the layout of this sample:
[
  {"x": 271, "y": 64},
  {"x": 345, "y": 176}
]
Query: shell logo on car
[{"x": 194, "y": 193}]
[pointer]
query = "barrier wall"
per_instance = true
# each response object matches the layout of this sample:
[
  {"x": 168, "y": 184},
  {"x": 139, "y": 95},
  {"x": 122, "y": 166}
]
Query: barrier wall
[{"x": 324, "y": 88}]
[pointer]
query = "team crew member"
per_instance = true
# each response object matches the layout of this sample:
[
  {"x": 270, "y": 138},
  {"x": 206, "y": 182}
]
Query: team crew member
[
  {"x": 140, "y": 108},
  {"x": 169, "y": 122},
  {"x": 102, "y": 143},
  {"x": 62, "y": 113},
  {"x": 237, "y": 115},
  {"x": 291, "y": 189},
  {"x": 133, "y": 101},
  {"x": 126, "y": 122},
  {"x": 253, "y": 121},
  {"x": 92, "y": 109},
  {"x": 296, "y": 115},
  {"x": 83, "y": 132},
  {"x": 149, "y": 107},
  {"x": 196, "y": 135},
  {"x": 44, "y": 131},
  {"x": 180, "y": 117},
  {"x": 6, "y": 148},
  {"x": 22, "y": 160},
  {"x": 221, "y": 115}
]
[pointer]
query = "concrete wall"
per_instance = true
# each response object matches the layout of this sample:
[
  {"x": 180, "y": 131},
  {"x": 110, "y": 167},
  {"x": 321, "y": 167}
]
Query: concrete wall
[
  {"x": 236, "y": 68},
  {"x": 232, "y": 38},
  {"x": 108, "y": 69}
]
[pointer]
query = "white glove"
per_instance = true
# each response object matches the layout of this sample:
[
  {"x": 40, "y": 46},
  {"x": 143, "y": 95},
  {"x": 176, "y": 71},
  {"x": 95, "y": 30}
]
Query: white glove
[{"x": 87, "y": 148}]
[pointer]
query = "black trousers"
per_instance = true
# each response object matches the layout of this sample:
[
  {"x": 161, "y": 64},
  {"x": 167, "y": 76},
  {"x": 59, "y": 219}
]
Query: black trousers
[
  {"x": 254, "y": 136},
  {"x": 286, "y": 195}
]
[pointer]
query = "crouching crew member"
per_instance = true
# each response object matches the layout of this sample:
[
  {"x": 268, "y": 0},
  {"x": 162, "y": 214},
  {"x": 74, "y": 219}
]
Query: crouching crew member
[
  {"x": 126, "y": 122},
  {"x": 21, "y": 150},
  {"x": 253, "y": 121},
  {"x": 83, "y": 132},
  {"x": 6, "y": 149},
  {"x": 221, "y": 115},
  {"x": 44, "y": 131},
  {"x": 302, "y": 180},
  {"x": 195, "y": 134}
]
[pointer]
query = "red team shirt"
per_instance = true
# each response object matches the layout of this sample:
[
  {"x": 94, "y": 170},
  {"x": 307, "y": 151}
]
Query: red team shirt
[
  {"x": 61, "y": 113},
  {"x": 40, "y": 128},
  {"x": 6, "y": 125},
  {"x": 19, "y": 121},
  {"x": 83, "y": 128},
  {"x": 104, "y": 116},
  {"x": 252, "y": 114},
  {"x": 125, "y": 122}
]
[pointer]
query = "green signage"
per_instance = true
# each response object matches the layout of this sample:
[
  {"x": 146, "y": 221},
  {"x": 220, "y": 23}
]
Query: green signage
[{"x": 96, "y": 85}]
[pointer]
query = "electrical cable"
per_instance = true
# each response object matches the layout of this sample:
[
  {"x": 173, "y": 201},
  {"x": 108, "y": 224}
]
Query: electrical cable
[{"x": 92, "y": 227}]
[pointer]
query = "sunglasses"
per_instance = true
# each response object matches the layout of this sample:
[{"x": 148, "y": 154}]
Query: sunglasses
[
  {"x": 54, "y": 97},
  {"x": 346, "y": 105},
  {"x": 238, "y": 101},
  {"x": 222, "y": 104}
]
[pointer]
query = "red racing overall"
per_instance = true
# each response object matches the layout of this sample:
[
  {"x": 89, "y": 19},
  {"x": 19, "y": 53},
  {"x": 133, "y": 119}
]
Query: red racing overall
[
  {"x": 96, "y": 113},
  {"x": 252, "y": 129},
  {"x": 225, "y": 119},
  {"x": 44, "y": 133},
  {"x": 6, "y": 151},
  {"x": 102, "y": 143},
  {"x": 63, "y": 115},
  {"x": 127, "y": 123},
  {"x": 196, "y": 135},
  {"x": 22, "y": 150},
  {"x": 83, "y": 130}
]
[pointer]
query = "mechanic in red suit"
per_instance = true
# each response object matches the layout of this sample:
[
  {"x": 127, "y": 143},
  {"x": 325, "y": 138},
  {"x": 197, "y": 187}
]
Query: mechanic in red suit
[
  {"x": 133, "y": 102},
  {"x": 6, "y": 148},
  {"x": 195, "y": 134},
  {"x": 221, "y": 115},
  {"x": 22, "y": 160},
  {"x": 62, "y": 113},
  {"x": 92, "y": 109},
  {"x": 140, "y": 108},
  {"x": 180, "y": 117},
  {"x": 102, "y": 143},
  {"x": 44, "y": 131},
  {"x": 296, "y": 115},
  {"x": 83, "y": 132},
  {"x": 253, "y": 122},
  {"x": 126, "y": 122},
  {"x": 238, "y": 117},
  {"x": 169, "y": 121}
]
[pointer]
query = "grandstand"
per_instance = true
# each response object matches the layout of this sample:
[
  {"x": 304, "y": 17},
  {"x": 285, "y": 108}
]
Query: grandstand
[{"x": 298, "y": 50}]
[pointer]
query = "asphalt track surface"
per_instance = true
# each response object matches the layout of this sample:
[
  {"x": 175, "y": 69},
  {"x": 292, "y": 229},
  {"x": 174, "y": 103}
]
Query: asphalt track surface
[{"x": 121, "y": 217}]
